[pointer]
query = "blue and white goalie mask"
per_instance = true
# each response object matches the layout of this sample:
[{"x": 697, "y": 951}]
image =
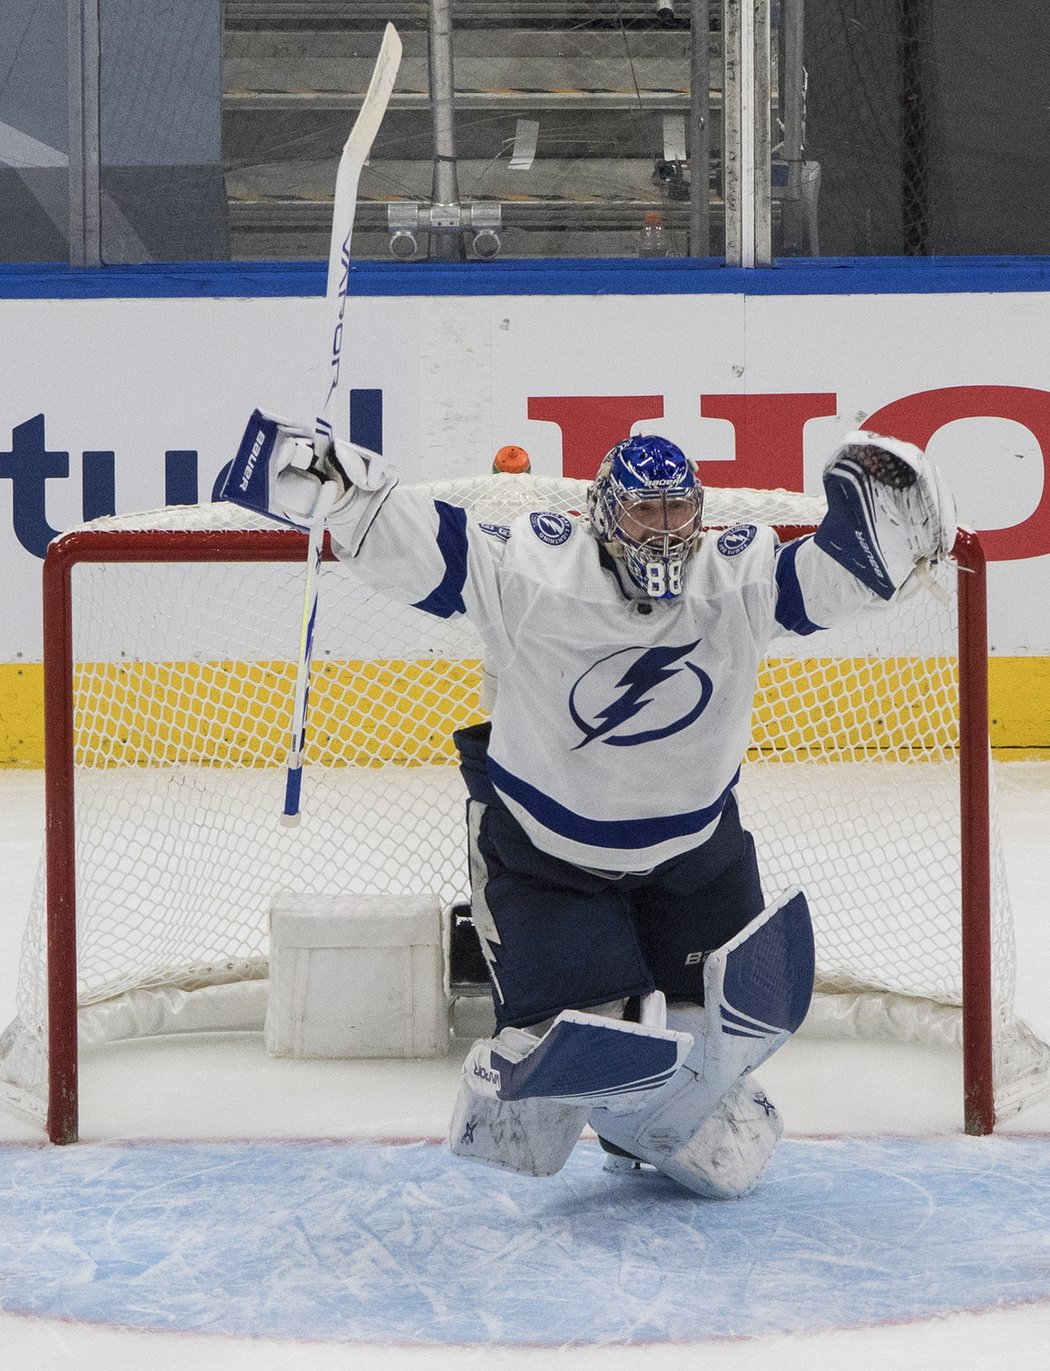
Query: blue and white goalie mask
[{"x": 645, "y": 506}]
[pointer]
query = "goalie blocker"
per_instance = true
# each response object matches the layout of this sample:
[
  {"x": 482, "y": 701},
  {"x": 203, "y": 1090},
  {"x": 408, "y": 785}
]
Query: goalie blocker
[{"x": 277, "y": 472}]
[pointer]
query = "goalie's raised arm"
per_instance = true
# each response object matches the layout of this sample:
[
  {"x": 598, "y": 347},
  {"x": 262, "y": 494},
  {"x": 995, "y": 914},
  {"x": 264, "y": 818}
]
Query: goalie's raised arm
[
  {"x": 888, "y": 511},
  {"x": 277, "y": 472}
]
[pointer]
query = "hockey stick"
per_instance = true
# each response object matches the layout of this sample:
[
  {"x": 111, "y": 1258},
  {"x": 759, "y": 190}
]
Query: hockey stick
[{"x": 333, "y": 420}]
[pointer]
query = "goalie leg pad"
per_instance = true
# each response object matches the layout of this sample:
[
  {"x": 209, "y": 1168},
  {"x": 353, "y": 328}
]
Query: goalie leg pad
[
  {"x": 531, "y": 1137},
  {"x": 727, "y": 1155},
  {"x": 582, "y": 1059},
  {"x": 757, "y": 991}
]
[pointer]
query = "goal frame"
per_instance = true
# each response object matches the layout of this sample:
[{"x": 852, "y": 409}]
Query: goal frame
[{"x": 289, "y": 545}]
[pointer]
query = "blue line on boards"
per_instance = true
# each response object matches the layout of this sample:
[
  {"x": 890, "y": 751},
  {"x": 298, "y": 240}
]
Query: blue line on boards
[{"x": 533, "y": 276}]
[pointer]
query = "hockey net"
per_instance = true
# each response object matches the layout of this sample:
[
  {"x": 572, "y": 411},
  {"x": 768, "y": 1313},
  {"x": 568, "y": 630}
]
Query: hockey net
[{"x": 171, "y": 640}]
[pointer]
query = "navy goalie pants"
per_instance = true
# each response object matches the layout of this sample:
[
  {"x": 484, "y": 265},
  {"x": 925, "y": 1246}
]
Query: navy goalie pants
[{"x": 557, "y": 936}]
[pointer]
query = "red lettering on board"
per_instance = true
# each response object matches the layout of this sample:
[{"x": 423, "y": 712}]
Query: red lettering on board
[
  {"x": 916, "y": 418},
  {"x": 768, "y": 431},
  {"x": 592, "y": 424}
]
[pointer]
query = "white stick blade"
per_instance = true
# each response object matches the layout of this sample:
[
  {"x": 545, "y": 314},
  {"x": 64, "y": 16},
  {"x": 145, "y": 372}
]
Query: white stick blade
[
  {"x": 332, "y": 420},
  {"x": 377, "y": 97}
]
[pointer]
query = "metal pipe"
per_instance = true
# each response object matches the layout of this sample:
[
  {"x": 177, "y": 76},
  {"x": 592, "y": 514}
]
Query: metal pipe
[
  {"x": 732, "y": 129},
  {"x": 761, "y": 134},
  {"x": 447, "y": 246},
  {"x": 60, "y": 859},
  {"x": 793, "y": 116},
  {"x": 699, "y": 130},
  {"x": 974, "y": 781}
]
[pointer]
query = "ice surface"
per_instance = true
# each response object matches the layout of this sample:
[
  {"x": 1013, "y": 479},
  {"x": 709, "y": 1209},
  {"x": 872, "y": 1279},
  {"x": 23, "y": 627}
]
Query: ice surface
[
  {"x": 370, "y": 1243},
  {"x": 880, "y": 1226}
]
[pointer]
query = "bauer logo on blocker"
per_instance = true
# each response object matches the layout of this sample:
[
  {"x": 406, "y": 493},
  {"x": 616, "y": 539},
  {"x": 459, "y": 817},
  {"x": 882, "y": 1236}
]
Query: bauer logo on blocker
[{"x": 253, "y": 457}]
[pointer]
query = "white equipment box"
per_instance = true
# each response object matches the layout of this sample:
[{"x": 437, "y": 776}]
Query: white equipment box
[{"x": 357, "y": 976}]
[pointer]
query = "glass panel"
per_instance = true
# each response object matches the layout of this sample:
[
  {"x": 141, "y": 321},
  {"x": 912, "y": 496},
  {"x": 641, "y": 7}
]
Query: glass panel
[
  {"x": 573, "y": 122},
  {"x": 162, "y": 192},
  {"x": 928, "y": 124},
  {"x": 34, "y": 138},
  {"x": 898, "y": 127}
]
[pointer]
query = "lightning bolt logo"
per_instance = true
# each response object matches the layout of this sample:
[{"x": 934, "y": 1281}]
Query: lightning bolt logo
[{"x": 639, "y": 685}]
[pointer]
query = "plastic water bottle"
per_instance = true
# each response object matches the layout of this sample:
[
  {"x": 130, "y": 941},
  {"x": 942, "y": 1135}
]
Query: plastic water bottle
[
  {"x": 655, "y": 241},
  {"x": 512, "y": 461}
]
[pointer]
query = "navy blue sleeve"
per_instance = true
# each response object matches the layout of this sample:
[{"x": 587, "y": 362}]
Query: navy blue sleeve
[
  {"x": 791, "y": 606},
  {"x": 446, "y": 599}
]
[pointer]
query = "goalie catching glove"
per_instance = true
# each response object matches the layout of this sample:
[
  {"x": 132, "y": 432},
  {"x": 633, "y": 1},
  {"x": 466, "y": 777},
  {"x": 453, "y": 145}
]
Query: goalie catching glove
[
  {"x": 888, "y": 511},
  {"x": 277, "y": 472}
]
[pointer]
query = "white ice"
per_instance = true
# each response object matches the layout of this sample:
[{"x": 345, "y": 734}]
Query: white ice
[{"x": 229, "y": 1088}]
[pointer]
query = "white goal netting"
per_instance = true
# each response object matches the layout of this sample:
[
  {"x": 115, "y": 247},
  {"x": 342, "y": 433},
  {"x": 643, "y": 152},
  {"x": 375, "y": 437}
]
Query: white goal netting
[{"x": 183, "y": 681}]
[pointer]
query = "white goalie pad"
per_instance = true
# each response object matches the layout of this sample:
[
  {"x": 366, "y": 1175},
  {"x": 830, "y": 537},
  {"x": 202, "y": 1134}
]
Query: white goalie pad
[
  {"x": 888, "y": 511},
  {"x": 728, "y": 1154},
  {"x": 523, "y": 1101},
  {"x": 757, "y": 990},
  {"x": 531, "y": 1137},
  {"x": 528, "y": 1137},
  {"x": 583, "y": 1059}
]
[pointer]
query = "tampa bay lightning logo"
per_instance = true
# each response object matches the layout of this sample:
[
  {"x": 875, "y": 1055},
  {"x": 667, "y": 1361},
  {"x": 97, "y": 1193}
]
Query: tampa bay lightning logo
[
  {"x": 639, "y": 683},
  {"x": 734, "y": 540},
  {"x": 550, "y": 528}
]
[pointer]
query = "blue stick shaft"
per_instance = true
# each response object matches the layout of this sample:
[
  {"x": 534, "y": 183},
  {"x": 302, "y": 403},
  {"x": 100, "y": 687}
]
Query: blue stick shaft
[{"x": 292, "y": 788}]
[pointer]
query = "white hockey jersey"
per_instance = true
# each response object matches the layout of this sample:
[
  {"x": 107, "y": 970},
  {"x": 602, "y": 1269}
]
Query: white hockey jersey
[{"x": 620, "y": 723}]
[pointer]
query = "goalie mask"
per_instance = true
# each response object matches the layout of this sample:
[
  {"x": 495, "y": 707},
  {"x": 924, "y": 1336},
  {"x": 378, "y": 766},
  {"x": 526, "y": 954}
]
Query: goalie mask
[{"x": 645, "y": 507}]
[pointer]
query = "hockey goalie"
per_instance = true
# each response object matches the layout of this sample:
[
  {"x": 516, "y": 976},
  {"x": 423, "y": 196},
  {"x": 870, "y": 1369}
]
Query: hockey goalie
[{"x": 639, "y": 973}]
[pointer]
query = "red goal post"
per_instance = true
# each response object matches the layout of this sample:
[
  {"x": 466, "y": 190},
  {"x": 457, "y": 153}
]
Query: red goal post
[{"x": 133, "y": 701}]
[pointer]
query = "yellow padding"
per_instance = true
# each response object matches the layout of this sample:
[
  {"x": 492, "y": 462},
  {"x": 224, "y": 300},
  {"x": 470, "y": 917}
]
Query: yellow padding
[
  {"x": 21, "y": 714},
  {"x": 839, "y": 707},
  {"x": 372, "y": 713},
  {"x": 1019, "y": 702},
  {"x": 368, "y": 713},
  {"x": 239, "y": 714}
]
